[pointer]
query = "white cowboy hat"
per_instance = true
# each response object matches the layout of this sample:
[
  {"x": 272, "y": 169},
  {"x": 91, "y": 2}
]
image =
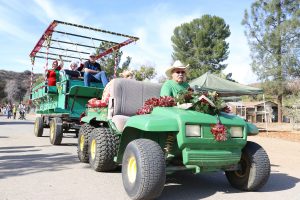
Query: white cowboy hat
[
  {"x": 177, "y": 65},
  {"x": 92, "y": 54}
]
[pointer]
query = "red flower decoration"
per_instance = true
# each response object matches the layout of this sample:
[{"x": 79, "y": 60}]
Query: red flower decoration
[
  {"x": 219, "y": 131},
  {"x": 149, "y": 104}
]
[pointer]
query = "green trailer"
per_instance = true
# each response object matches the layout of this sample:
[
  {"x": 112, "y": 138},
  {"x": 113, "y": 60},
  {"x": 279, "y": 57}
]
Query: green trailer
[
  {"x": 169, "y": 139},
  {"x": 61, "y": 107}
]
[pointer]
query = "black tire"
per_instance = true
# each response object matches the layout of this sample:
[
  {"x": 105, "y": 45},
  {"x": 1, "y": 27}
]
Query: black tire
[
  {"x": 143, "y": 169},
  {"x": 103, "y": 146},
  {"x": 56, "y": 131},
  {"x": 38, "y": 127},
  {"x": 255, "y": 169},
  {"x": 83, "y": 142}
]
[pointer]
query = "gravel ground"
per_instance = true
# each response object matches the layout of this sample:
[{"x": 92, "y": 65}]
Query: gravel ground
[{"x": 283, "y": 131}]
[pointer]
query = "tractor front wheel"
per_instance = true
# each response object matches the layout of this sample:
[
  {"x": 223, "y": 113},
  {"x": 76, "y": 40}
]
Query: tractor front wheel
[
  {"x": 83, "y": 142},
  {"x": 143, "y": 169},
  {"x": 56, "y": 131},
  {"x": 254, "y": 169}
]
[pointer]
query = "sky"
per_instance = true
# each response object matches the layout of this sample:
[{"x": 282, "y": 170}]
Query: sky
[{"x": 22, "y": 23}]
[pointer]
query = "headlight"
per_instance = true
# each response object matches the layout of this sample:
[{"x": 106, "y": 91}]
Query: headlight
[
  {"x": 192, "y": 130},
  {"x": 236, "y": 132}
]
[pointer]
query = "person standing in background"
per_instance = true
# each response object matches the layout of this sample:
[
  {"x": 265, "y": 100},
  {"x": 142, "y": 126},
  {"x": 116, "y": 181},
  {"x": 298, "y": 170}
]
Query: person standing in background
[
  {"x": 8, "y": 109},
  {"x": 14, "y": 110}
]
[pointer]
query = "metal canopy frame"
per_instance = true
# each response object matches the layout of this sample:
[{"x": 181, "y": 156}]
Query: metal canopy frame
[
  {"x": 82, "y": 43},
  {"x": 48, "y": 45}
]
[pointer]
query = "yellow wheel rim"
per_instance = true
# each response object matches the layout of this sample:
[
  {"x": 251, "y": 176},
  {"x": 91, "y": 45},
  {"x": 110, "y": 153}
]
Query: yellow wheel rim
[
  {"x": 93, "y": 149},
  {"x": 35, "y": 127},
  {"x": 81, "y": 143},
  {"x": 52, "y": 130},
  {"x": 132, "y": 169}
]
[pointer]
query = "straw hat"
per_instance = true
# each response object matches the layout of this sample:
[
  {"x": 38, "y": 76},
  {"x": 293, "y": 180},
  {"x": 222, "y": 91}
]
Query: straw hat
[
  {"x": 126, "y": 73},
  {"x": 177, "y": 65}
]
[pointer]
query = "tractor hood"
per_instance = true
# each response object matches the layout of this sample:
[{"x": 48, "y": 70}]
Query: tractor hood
[{"x": 172, "y": 118}]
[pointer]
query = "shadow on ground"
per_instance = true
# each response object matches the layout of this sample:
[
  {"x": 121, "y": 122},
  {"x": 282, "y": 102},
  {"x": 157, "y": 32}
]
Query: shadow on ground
[
  {"x": 187, "y": 186},
  {"x": 25, "y": 162},
  {"x": 15, "y": 122}
]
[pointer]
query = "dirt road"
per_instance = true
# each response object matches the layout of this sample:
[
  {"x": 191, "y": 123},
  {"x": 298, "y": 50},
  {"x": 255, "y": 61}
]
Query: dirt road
[{"x": 32, "y": 169}]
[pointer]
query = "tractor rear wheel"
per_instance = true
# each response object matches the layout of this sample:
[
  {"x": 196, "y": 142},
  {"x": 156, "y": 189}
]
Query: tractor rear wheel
[
  {"x": 56, "y": 131},
  {"x": 103, "y": 146},
  {"x": 38, "y": 127},
  {"x": 83, "y": 142}
]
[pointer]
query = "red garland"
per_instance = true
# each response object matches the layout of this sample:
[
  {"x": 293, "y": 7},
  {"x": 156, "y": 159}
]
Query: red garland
[
  {"x": 219, "y": 131},
  {"x": 149, "y": 104}
]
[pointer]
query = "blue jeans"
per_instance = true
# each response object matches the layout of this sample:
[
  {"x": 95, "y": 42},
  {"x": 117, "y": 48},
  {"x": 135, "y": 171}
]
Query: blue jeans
[
  {"x": 8, "y": 114},
  {"x": 100, "y": 76}
]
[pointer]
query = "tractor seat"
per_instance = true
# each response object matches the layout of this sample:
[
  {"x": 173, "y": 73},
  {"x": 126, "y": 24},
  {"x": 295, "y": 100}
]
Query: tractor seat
[{"x": 127, "y": 96}]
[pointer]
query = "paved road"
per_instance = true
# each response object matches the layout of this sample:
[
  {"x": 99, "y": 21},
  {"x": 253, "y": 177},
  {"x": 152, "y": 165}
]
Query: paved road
[{"x": 32, "y": 169}]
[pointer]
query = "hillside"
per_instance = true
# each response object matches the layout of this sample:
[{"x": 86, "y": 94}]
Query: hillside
[{"x": 14, "y": 86}]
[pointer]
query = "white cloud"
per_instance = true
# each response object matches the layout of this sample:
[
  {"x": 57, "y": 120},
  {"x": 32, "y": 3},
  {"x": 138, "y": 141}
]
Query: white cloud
[
  {"x": 48, "y": 11},
  {"x": 9, "y": 22},
  {"x": 155, "y": 46},
  {"x": 239, "y": 59}
]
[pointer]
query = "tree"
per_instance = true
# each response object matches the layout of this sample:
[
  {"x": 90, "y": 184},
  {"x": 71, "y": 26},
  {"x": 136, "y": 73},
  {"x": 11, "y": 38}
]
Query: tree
[
  {"x": 15, "y": 91},
  {"x": 108, "y": 61},
  {"x": 201, "y": 44},
  {"x": 162, "y": 79},
  {"x": 273, "y": 31},
  {"x": 2, "y": 89},
  {"x": 145, "y": 72}
]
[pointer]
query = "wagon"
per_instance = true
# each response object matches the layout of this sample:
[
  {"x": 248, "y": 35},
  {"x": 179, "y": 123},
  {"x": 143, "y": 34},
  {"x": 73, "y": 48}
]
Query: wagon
[
  {"x": 60, "y": 107},
  {"x": 169, "y": 139}
]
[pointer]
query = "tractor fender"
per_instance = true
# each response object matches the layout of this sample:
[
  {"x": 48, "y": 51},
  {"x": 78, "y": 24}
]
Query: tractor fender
[
  {"x": 152, "y": 123},
  {"x": 251, "y": 129},
  {"x": 146, "y": 126},
  {"x": 87, "y": 119}
]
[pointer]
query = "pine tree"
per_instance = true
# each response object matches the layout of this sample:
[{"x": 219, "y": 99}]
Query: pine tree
[
  {"x": 201, "y": 44},
  {"x": 273, "y": 31}
]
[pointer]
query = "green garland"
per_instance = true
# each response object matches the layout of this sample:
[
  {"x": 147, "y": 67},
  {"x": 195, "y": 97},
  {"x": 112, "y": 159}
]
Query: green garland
[{"x": 209, "y": 102}]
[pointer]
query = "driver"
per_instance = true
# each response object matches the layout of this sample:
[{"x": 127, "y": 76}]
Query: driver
[{"x": 177, "y": 82}]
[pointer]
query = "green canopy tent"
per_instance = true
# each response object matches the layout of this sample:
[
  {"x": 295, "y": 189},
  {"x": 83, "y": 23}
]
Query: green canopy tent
[{"x": 225, "y": 88}]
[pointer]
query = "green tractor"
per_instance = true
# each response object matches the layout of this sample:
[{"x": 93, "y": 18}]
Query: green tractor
[{"x": 167, "y": 140}]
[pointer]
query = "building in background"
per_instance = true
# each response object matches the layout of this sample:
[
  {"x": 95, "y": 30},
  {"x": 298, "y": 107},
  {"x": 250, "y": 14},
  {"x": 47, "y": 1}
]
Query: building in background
[{"x": 255, "y": 111}]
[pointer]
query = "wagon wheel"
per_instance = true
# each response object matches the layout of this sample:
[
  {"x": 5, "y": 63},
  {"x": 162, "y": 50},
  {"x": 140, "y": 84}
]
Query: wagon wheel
[
  {"x": 56, "y": 131},
  {"x": 38, "y": 127}
]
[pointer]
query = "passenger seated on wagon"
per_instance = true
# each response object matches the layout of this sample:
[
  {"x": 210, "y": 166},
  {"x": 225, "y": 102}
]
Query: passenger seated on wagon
[
  {"x": 76, "y": 66},
  {"x": 92, "y": 70},
  {"x": 53, "y": 74}
]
